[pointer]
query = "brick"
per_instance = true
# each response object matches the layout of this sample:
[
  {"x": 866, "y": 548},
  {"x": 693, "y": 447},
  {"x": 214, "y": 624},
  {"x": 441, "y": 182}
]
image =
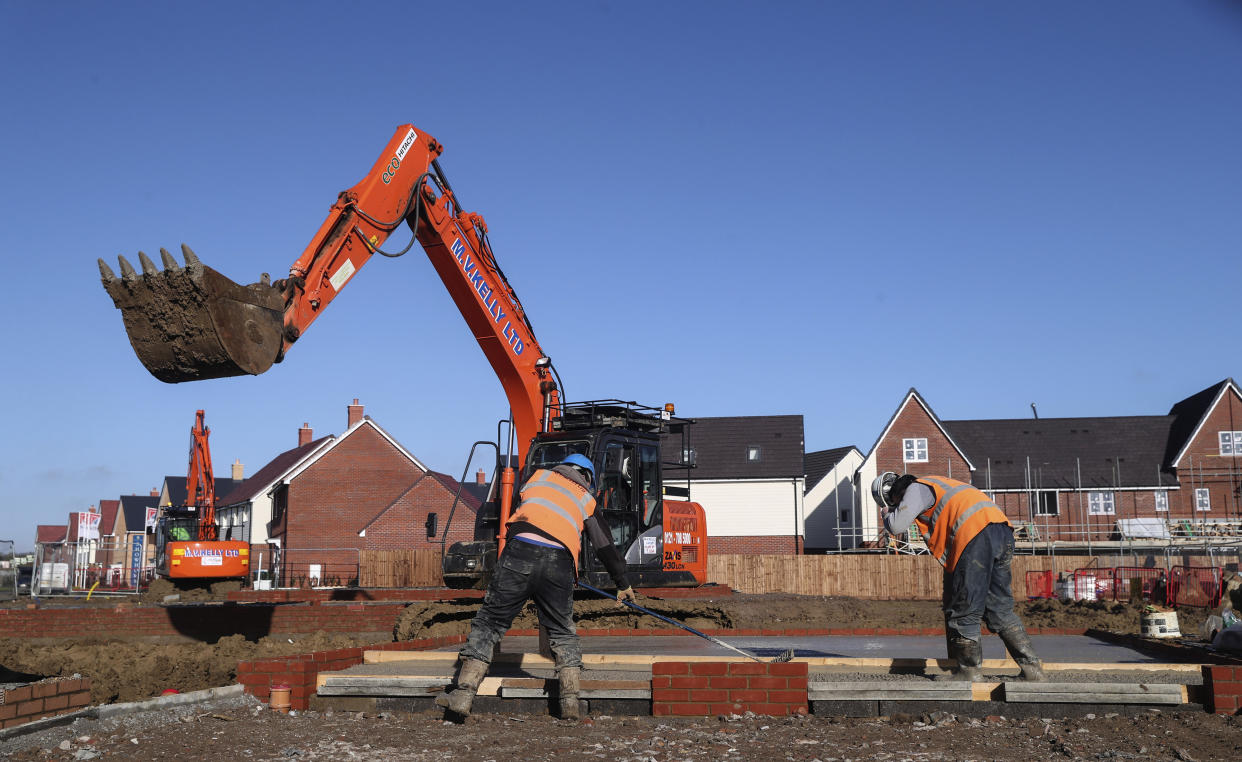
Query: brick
[
  {"x": 18, "y": 695},
  {"x": 690, "y": 710},
  {"x": 772, "y": 710},
  {"x": 787, "y": 697},
  {"x": 691, "y": 682},
  {"x": 661, "y": 710},
  {"x": 670, "y": 668},
  {"x": 43, "y": 690},
  {"x": 1227, "y": 689},
  {"x": 255, "y": 678},
  {"x": 728, "y": 708},
  {"x": 68, "y": 686},
  {"x": 53, "y": 703},
  {"x": 7, "y": 711},
  {"x": 728, "y": 682},
  {"x": 667, "y": 695},
  {"x": 747, "y": 668},
  {"x": 709, "y": 668},
  {"x": 710, "y": 695},
  {"x": 769, "y": 683},
  {"x": 79, "y": 699},
  {"x": 661, "y": 681},
  {"x": 746, "y": 696},
  {"x": 29, "y": 708},
  {"x": 789, "y": 669}
]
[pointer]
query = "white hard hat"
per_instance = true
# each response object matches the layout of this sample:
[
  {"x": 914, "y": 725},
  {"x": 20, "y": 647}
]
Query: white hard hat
[{"x": 881, "y": 486}]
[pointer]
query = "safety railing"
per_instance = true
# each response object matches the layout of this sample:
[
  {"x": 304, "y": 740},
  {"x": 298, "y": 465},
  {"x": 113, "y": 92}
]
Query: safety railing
[
  {"x": 1195, "y": 586},
  {"x": 90, "y": 568}
]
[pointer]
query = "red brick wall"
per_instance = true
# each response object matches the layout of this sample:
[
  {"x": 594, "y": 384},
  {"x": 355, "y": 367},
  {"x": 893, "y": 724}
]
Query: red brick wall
[
  {"x": 1224, "y": 685},
  {"x": 914, "y": 422},
  {"x": 698, "y": 689},
  {"x": 754, "y": 544},
  {"x": 1203, "y": 466},
  {"x": 404, "y": 524},
  {"x": 46, "y": 698}
]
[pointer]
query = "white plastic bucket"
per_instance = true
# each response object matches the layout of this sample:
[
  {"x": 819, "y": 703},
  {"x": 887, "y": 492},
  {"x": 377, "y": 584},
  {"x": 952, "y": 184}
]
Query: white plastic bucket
[{"x": 1160, "y": 624}]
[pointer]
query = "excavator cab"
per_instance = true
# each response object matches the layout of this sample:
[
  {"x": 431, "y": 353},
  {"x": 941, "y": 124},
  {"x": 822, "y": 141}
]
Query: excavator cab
[{"x": 191, "y": 323}]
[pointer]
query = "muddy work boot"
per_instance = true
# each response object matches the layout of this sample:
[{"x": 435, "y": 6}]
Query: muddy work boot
[
  {"x": 1018, "y": 643},
  {"x": 969, "y": 657},
  {"x": 570, "y": 680},
  {"x": 469, "y": 676}
]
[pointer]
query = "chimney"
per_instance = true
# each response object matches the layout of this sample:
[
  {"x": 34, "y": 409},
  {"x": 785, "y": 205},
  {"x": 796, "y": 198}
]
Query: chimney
[
  {"x": 155, "y": 492},
  {"x": 239, "y": 471},
  {"x": 480, "y": 477},
  {"x": 305, "y": 435},
  {"x": 353, "y": 414}
]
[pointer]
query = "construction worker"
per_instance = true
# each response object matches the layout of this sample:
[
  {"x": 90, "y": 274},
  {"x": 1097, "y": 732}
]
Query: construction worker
[
  {"x": 971, "y": 537},
  {"x": 540, "y": 562}
]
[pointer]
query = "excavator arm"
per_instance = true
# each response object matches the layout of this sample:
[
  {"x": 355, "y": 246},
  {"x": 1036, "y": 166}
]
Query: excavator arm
[
  {"x": 189, "y": 323},
  {"x": 200, "y": 482}
]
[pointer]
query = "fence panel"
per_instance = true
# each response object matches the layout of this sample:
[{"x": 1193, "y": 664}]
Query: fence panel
[
  {"x": 400, "y": 568},
  {"x": 8, "y": 571},
  {"x": 1195, "y": 586},
  {"x": 1041, "y": 584},
  {"x": 1150, "y": 583}
]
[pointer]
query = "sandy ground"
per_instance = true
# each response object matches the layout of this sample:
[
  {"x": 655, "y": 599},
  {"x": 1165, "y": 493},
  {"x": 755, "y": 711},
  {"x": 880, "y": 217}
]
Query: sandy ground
[{"x": 241, "y": 728}]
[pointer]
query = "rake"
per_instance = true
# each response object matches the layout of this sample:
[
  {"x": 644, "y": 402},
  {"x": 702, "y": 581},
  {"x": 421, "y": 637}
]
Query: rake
[{"x": 784, "y": 656}]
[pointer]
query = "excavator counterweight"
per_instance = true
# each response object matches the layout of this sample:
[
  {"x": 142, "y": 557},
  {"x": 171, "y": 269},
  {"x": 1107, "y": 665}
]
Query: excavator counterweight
[{"x": 190, "y": 323}]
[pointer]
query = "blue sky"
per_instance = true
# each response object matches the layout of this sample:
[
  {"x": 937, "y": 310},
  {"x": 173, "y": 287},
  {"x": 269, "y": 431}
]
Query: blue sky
[{"x": 742, "y": 208}]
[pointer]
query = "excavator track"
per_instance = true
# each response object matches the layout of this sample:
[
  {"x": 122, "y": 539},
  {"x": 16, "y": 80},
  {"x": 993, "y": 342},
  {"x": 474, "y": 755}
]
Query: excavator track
[{"x": 191, "y": 323}]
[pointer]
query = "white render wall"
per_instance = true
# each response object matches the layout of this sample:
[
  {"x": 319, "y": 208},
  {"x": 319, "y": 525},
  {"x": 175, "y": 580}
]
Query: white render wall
[
  {"x": 760, "y": 507},
  {"x": 833, "y": 492}
]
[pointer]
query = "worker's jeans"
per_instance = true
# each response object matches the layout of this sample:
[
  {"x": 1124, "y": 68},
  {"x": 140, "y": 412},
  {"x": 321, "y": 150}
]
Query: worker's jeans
[
  {"x": 527, "y": 571},
  {"x": 980, "y": 586}
]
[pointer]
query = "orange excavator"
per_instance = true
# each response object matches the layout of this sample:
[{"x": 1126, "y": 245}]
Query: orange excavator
[
  {"x": 190, "y": 322},
  {"x": 187, "y": 542}
]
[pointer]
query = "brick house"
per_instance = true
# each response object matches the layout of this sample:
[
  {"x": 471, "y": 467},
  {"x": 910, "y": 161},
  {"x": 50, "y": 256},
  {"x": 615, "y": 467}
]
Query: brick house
[
  {"x": 832, "y": 521},
  {"x": 131, "y": 528},
  {"x": 313, "y": 509},
  {"x": 747, "y": 473},
  {"x": 1080, "y": 480}
]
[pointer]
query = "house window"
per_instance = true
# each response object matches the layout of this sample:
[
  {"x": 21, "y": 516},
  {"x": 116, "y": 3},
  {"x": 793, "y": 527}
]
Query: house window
[
  {"x": 1162, "y": 501},
  {"x": 1100, "y": 504},
  {"x": 687, "y": 456},
  {"x": 1231, "y": 443},
  {"x": 914, "y": 450},
  {"x": 1046, "y": 503},
  {"x": 754, "y": 453},
  {"x": 1203, "y": 500}
]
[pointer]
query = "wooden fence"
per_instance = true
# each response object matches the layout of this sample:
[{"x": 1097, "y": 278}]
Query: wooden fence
[
  {"x": 890, "y": 577},
  {"x": 399, "y": 568}
]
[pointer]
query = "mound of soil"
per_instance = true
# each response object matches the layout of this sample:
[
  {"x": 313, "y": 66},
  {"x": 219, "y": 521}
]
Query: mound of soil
[
  {"x": 125, "y": 671},
  {"x": 189, "y": 591}
]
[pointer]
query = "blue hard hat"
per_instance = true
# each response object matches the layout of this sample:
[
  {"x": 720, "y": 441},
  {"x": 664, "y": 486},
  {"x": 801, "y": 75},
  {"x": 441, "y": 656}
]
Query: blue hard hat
[{"x": 581, "y": 461}]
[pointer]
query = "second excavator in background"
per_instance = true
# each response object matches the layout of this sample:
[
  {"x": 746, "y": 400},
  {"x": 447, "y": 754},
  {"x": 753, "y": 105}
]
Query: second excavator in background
[
  {"x": 188, "y": 547},
  {"x": 190, "y": 323}
]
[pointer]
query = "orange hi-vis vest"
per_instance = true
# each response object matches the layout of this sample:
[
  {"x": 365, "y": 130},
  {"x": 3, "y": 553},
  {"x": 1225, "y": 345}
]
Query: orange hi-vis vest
[
  {"x": 558, "y": 506},
  {"x": 959, "y": 514}
]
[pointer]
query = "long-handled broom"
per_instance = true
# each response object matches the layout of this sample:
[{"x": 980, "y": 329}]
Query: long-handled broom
[{"x": 782, "y": 657}]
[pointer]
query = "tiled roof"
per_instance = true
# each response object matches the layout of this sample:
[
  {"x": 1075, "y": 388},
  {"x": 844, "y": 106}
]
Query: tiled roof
[
  {"x": 51, "y": 533},
  {"x": 135, "y": 508},
  {"x": 1066, "y": 453},
  {"x": 177, "y": 490},
  {"x": 819, "y": 463},
  {"x": 107, "y": 521},
  {"x": 469, "y": 491},
  {"x": 721, "y": 447},
  {"x": 1187, "y": 415},
  {"x": 248, "y": 488}
]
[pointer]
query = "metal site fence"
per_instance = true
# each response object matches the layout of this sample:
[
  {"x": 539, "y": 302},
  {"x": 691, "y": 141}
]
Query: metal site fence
[
  {"x": 316, "y": 567},
  {"x": 91, "y": 567},
  {"x": 1196, "y": 586}
]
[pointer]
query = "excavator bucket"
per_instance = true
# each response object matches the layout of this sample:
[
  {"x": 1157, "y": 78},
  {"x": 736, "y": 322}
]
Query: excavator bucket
[{"x": 191, "y": 323}]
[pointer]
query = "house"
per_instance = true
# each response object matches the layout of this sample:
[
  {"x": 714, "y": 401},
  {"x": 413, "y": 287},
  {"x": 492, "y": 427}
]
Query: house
[
  {"x": 315, "y": 508},
  {"x": 747, "y": 473},
  {"x": 131, "y": 525},
  {"x": 832, "y": 521},
  {"x": 1082, "y": 480}
]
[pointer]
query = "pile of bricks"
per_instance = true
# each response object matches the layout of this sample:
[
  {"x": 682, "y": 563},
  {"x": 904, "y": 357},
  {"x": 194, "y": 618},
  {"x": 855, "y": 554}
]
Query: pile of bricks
[
  {"x": 46, "y": 698},
  {"x": 700, "y": 689}
]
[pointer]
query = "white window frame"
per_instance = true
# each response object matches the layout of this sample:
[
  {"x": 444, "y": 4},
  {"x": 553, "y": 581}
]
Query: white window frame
[
  {"x": 1162, "y": 500},
  {"x": 916, "y": 447},
  {"x": 1039, "y": 503},
  {"x": 754, "y": 453},
  {"x": 1203, "y": 499},
  {"x": 1230, "y": 443},
  {"x": 1101, "y": 504}
]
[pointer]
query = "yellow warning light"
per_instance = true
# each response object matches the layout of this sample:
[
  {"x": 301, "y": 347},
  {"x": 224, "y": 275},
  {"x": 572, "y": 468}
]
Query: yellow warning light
[
  {"x": 668, "y": 408},
  {"x": 178, "y": 551},
  {"x": 245, "y": 551}
]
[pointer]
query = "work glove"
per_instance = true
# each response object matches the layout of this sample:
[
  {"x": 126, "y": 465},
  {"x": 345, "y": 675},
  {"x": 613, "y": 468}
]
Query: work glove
[{"x": 625, "y": 595}]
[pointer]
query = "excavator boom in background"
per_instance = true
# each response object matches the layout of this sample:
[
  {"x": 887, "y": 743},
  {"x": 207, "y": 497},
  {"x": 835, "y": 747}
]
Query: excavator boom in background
[
  {"x": 187, "y": 540},
  {"x": 190, "y": 323}
]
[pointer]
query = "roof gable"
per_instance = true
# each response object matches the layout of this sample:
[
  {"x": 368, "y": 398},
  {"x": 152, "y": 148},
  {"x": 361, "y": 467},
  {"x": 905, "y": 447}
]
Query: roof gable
[
  {"x": 819, "y": 463},
  {"x": 1189, "y": 416},
  {"x": 366, "y": 421},
  {"x": 50, "y": 533},
  {"x": 108, "y": 510},
  {"x": 914, "y": 396},
  {"x": 134, "y": 508}
]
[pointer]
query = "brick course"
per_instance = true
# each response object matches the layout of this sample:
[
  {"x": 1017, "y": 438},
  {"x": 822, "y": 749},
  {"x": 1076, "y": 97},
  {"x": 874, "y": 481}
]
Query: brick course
[
  {"x": 681, "y": 689},
  {"x": 46, "y": 698}
]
